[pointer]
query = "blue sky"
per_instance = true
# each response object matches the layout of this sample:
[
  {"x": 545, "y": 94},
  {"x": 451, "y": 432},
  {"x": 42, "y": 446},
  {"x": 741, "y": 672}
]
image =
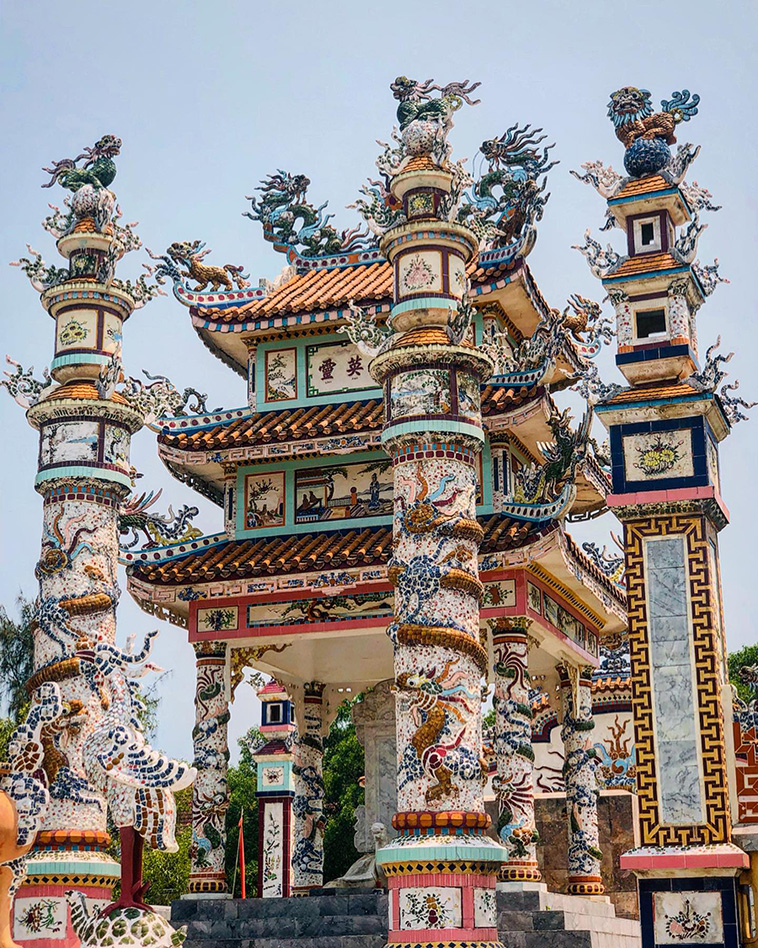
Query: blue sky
[{"x": 209, "y": 98}]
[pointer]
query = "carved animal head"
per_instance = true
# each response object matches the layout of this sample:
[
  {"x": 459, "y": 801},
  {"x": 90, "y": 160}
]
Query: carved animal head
[
  {"x": 284, "y": 183},
  {"x": 629, "y": 105},
  {"x": 106, "y": 147},
  {"x": 404, "y": 88},
  {"x": 181, "y": 250}
]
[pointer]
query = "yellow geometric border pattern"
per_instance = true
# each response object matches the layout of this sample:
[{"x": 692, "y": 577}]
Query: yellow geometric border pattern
[
  {"x": 717, "y": 825},
  {"x": 451, "y": 868}
]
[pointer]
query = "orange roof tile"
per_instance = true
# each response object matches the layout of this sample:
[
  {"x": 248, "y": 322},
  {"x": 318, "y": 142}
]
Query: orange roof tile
[
  {"x": 425, "y": 336},
  {"x": 421, "y": 163},
  {"x": 317, "y": 421},
  {"x": 654, "y": 391},
  {"x": 79, "y": 388},
  {"x": 645, "y": 263},
  {"x": 289, "y": 424},
  {"x": 308, "y": 552},
  {"x": 639, "y": 186},
  {"x": 327, "y": 289}
]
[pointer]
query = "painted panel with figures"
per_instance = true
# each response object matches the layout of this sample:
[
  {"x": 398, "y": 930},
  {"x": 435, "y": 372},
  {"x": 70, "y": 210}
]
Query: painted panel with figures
[
  {"x": 343, "y": 491},
  {"x": 264, "y": 500},
  {"x": 323, "y": 609}
]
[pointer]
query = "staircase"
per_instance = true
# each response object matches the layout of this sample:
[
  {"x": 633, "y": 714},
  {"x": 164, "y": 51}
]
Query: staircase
[
  {"x": 357, "y": 919},
  {"x": 527, "y": 918}
]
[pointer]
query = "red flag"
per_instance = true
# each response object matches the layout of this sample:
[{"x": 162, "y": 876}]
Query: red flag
[{"x": 241, "y": 855}]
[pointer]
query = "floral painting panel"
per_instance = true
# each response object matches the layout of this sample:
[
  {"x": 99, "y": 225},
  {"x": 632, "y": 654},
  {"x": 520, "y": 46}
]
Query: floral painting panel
[
  {"x": 420, "y": 272},
  {"x": 656, "y": 455},
  {"x": 281, "y": 375}
]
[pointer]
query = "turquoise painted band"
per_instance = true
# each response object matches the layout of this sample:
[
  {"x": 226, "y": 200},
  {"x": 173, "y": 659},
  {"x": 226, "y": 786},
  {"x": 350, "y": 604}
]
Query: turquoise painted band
[
  {"x": 431, "y": 427},
  {"x": 425, "y": 302},
  {"x": 74, "y": 470}
]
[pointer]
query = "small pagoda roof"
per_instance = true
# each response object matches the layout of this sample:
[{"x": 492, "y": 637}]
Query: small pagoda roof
[
  {"x": 681, "y": 400},
  {"x": 645, "y": 264},
  {"x": 318, "y": 301},
  {"x": 654, "y": 391},
  {"x": 635, "y": 187},
  {"x": 219, "y": 432},
  {"x": 306, "y": 552},
  {"x": 79, "y": 389}
]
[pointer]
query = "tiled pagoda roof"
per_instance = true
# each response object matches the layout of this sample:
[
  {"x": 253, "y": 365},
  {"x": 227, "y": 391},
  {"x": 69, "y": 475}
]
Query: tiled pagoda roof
[
  {"x": 654, "y": 391},
  {"x": 319, "y": 290},
  {"x": 368, "y": 546},
  {"x": 80, "y": 389},
  {"x": 637, "y": 187},
  {"x": 294, "y": 424},
  {"x": 645, "y": 263}
]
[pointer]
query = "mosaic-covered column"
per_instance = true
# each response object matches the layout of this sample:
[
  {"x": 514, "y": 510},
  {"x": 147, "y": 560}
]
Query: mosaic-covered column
[
  {"x": 308, "y": 804},
  {"x": 441, "y": 869},
  {"x": 513, "y": 749},
  {"x": 85, "y": 428},
  {"x": 210, "y": 797},
  {"x": 581, "y": 783}
]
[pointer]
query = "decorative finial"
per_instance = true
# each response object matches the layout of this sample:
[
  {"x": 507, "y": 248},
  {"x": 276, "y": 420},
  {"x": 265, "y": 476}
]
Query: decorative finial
[
  {"x": 425, "y": 121},
  {"x": 645, "y": 134},
  {"x": 98, "y": 169}
]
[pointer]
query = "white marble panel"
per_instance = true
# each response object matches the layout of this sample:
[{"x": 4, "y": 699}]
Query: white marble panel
[
  {"x": 687, "y": 918},
  {"x": 679, "y": 782}
]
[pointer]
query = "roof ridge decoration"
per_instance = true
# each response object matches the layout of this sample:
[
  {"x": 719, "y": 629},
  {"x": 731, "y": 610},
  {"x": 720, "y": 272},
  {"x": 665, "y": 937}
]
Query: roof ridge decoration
[
  {"x": 505, "y": 222},
  {"x": 296, "y": 227},
  {"x": 158, "y": 530},
  {"x": 711, "y": 376},
  {"x": 645, "y": 134},
  {"x": 549, "y": 488}
]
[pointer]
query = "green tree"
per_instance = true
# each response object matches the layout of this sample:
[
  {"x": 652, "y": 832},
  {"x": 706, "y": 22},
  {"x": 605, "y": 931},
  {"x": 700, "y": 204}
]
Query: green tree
[
  {"x": 242, "y": 781},
  {"x": 16, "y": 658},
  {"x": 748, "y": 655},
  {"x": 344, "y": 765}
]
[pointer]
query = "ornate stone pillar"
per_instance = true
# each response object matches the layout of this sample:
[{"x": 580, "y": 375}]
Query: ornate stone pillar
[
  {"x": 581, "y": 785},
  {"x": 308, "y": 805},
  {"x": 513, "y": 749},
  {"x": 441, "y": 869},
  {"x": 210, "y": 798}
]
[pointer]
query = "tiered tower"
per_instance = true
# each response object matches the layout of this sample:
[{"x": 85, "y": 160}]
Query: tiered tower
[
  {"x": 275, "y": 791},
  {"x": 441, "y": 868},
  {"x": 95, "y": 754},
  {"x": 665, "y": 430},
  {"x": 83, "y": 476}
]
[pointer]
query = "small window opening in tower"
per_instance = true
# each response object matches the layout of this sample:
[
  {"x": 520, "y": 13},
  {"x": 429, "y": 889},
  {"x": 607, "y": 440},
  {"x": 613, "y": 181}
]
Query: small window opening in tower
[
  {"x": 274, "y": 714},
  {"x": 651, "y": 322},
  {"x": 647, "y": 234}
]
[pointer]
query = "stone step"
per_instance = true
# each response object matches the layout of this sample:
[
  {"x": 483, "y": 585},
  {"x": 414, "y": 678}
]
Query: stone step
[
  {"x": 530, "y": 917},
  {"x": 329, "y": 941}
]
